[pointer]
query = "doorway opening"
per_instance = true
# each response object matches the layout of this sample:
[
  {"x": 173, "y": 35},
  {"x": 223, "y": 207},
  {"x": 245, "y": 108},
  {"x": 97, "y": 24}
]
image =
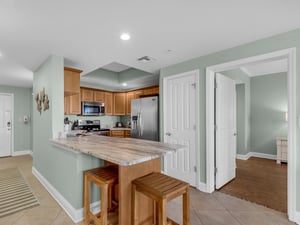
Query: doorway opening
[
  {"x": 290, "y": 56},
  {"x": 261, "y": 123}
]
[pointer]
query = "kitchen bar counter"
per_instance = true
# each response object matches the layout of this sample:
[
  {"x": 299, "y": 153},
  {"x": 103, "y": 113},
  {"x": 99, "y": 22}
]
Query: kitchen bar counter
[
  {"x": 135, "y": 157},
  {"x": 121, "y": 151}
]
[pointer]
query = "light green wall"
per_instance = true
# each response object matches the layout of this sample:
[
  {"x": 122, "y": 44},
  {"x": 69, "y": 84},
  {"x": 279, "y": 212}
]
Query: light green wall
[
  {"x": 269, "y": 102},
  {"x": 61, "y": 168},
  {"x": 278, "y": 42},
  {"x": 241, "y": 119},
  {"x": 22, "y": 107},
  {"x": 243, "y": 100}
]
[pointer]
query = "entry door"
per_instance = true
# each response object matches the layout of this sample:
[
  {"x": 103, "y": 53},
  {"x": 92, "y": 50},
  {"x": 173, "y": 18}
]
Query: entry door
[
  {"x": 5, "y": 124},
  {"x": 180, "y": 110},
  {"x": 225, "y": 130}
]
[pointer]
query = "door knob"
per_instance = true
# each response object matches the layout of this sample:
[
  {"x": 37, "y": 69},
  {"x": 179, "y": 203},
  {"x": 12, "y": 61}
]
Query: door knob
[
  {"x": 235, "y": 134},
  {"x": 168, "y": 134}
]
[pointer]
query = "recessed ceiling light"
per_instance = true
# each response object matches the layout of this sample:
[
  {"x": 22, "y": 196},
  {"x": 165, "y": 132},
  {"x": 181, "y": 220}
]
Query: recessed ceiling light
[
  {"x": 124, "y": 84},
  {"x": 125, "y": 36}
]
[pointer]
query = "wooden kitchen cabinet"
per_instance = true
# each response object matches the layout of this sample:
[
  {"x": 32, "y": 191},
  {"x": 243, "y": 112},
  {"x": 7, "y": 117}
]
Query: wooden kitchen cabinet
[
  {"x": 129, "y": 97},
  {"x": 127, "y": 133},
  {"x": 71, "y": 81},
  {"x": 87, "y": 94},
  {"x": 138, "y": 93},
  {"x": 72, "y": 104},
  {"x": 117, "y": 133},
  {"x": 120, "y": 133},
  {"x": 119, "y": 102},
  {"x": 108, "y": 101},
  {"x": 99, "y": 96}
]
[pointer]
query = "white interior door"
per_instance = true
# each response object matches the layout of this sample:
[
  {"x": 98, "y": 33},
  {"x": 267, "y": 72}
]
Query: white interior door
[
  {"x": 5, "y": 124},
  {"x": 180, "y": 111},
  {"x": 225, "y": 130}
]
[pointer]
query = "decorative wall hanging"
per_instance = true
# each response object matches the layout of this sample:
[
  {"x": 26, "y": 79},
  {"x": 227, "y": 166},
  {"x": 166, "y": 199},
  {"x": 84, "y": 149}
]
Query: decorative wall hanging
[{"x": 42, "y": 101}]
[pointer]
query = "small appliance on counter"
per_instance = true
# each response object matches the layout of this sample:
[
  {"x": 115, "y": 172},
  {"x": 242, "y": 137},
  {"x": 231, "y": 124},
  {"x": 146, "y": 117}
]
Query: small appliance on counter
[
  {"x": 119, "y": 124},
  {"x": 90, "y": 126}
]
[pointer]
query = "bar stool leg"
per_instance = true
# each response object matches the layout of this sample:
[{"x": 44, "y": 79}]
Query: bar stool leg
[
  {"x": 162, "y": 214},
  {"x": 186, "y": 207},
  {"x": 86, "y": 200},
  {"x": 104, "y": 203},
  {"x": 134, "y": 207}
]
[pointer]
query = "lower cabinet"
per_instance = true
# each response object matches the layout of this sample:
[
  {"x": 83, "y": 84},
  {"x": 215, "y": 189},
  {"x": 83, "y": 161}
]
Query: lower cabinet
[{"x": 120, "y": 133}]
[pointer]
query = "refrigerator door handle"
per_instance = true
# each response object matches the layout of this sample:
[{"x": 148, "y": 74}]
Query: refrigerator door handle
[{"x": 141, "y": 125}]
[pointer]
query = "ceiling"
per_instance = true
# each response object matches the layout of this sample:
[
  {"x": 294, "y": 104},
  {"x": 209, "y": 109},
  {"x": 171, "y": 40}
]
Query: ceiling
[{"x": 87, "y": 34}]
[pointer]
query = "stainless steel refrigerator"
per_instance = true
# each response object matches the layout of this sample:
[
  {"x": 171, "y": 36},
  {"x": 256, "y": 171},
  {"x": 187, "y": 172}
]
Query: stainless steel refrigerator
[{"x": 144, "y": 118}]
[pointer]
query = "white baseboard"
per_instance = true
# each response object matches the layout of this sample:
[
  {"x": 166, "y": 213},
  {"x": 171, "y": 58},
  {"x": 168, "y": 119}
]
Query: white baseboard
[
  {"x": 297, "y": 217},
  {"x": 23, "y": 152},
  {"x": 255, "y": 154},
  {"x": 75, "y": 214},
  {"x": 202, "y": 187},
  {"x": 243, "y": 157}
]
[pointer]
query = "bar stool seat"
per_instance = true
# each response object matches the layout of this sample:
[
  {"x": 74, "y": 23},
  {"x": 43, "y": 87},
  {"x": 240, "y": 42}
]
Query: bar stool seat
[
  {"x": 161, "y": 188},
  {"x": 105, "y": 178}
]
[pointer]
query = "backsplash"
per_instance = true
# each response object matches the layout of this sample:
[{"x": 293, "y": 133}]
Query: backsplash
[{"x": 106, "y": 121}]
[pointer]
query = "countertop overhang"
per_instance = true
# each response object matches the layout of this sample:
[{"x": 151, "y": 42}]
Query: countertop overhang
[{"x": 121, "y": 151}]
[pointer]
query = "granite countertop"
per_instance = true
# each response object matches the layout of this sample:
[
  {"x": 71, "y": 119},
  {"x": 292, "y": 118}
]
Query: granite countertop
[{"x": 122, "y": 151}]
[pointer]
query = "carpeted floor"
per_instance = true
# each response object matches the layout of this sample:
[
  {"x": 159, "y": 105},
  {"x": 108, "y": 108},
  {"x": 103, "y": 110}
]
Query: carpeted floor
[
  {"x": 261, "y": 181},
  {"x": 15, "y": 194}
]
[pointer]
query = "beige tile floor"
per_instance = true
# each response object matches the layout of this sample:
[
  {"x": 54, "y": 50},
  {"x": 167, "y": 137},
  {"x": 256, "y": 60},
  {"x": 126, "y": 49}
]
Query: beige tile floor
[{"x": 205, "y": 209}]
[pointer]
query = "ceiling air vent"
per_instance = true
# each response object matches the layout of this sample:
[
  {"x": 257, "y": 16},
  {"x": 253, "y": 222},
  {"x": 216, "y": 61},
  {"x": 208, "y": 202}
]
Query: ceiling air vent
[{"x": 146, "y": 59}]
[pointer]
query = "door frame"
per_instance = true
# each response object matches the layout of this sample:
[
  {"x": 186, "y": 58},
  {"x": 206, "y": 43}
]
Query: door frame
[
  {"x": 290, "y": 54},
  {"x": 197, "y": 140},
  {"x": 12, "y": 121}
]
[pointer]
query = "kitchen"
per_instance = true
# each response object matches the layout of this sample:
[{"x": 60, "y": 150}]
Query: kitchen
[{"x": 110, "y": 110}]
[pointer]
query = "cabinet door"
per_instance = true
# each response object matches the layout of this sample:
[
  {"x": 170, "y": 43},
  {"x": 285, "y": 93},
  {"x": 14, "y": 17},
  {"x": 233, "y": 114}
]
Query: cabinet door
[
  {"x": 72, "y": 105},
  {"x": 108, "y": 100},
  {"x": 138, "y": 93},
  {"x": 87, "y": 95},
  {"x": 117, "y": 133},
  {"x": 99, "y": 96},
  {"x": 155, "y": 90},
  {"x": 127, "y": 133},
  {"x": 71, "y": 81},
  {"x": 75, "y": 104},
  {"x": 148, "y": 91},
  {"x": 119, "y": 104},
  {"x": 129, "y": 97}
]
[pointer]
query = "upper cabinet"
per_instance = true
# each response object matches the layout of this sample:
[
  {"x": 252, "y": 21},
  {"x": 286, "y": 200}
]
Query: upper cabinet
[
  {"x": 71, "y": 81},
  {"x": 87, "y": 94},
  {"x": 129, "y": 96},
  {"x": 119, "y": 103},
  {"x": 108, "y": 101},
  {"x": 72, "y": 91},
  {"x": 99, "y": 96}
]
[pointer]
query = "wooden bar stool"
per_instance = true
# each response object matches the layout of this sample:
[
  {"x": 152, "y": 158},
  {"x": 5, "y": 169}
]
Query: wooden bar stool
[
  {"x": 161, "y": 188},
  {"x": 105, "y": 178}
]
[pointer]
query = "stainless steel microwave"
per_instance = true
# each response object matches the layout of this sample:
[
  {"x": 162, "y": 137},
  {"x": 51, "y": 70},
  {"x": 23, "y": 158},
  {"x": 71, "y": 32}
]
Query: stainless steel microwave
[{"x": 92, "y": 109}]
